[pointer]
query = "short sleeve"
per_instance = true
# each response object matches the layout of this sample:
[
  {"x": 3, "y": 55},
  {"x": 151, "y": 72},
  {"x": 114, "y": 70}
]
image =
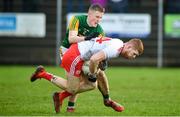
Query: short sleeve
[{"x": 74, "y": 23}]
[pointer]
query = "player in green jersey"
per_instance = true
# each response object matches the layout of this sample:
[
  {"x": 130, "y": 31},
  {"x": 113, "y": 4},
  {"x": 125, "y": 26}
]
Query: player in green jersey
[
  {"x": 84, "y": 27},
  {"x": 79, "y": 27}
]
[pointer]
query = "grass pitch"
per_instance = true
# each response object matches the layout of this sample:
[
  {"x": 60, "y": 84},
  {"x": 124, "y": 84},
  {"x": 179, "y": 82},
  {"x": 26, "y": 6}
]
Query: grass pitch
[{"x": 143, "y": 92}]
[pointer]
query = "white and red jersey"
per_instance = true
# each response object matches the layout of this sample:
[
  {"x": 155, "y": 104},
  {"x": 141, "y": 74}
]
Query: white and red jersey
[
  {"x": 75, "y": 56},
  {"x": 110, "y": 47}
]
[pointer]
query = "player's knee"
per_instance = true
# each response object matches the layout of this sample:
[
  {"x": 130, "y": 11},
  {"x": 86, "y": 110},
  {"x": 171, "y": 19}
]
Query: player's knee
[
  {"x": 72, "y": 91},
  {"x": 73, "y": 84},
  {"x": 93, "y": 85}
]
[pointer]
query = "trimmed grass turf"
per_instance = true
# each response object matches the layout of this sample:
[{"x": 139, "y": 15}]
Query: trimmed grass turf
[{"x": 143, "y": 91}]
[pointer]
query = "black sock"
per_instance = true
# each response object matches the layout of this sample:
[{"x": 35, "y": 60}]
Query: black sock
[
  {"x": 106, "y": 97},
  {"x": 70, "y": 104}
]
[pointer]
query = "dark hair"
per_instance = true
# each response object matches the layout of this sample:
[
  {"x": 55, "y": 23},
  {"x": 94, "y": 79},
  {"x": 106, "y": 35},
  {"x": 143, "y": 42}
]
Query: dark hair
[{"x": 97, "y": 7}]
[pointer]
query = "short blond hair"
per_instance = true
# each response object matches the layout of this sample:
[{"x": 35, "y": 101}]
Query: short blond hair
[
  {"x": 138, "y": 45},
  {"x": 97, "y": 7}
]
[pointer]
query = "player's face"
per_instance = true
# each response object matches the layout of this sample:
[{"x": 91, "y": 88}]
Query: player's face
[
  {"x": 94, "y": 18},
  {"x": 130, "y": 53}
]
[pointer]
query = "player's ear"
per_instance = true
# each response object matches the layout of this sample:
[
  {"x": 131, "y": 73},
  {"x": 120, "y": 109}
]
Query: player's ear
[{"x": 128, "y": 45}]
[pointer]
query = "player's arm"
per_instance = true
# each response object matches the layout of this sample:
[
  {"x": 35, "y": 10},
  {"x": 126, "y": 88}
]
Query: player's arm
[
  {"x": 74, "y": 38},
  {"x": 95, "y": 60},
  {"x": 73, "y": 31},
  {"x": 103, "y": 64}
]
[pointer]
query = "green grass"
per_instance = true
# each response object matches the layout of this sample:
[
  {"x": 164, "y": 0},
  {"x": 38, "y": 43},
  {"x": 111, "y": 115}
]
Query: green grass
[{"x": 143, "y": 91}]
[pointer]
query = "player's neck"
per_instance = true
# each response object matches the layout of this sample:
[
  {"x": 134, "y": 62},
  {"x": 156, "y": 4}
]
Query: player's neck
[{"x": 122, "y": 49}]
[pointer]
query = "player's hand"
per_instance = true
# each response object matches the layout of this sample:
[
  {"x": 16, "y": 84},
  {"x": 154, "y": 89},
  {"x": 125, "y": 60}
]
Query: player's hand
[
  {"x": 92, "y": 77},
  {"x": 92, "y": 35},
  {"x": 103, "y": 65}
]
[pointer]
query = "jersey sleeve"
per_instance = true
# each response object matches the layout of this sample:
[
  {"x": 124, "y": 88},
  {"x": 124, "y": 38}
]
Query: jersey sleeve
[{"x": 74, "y": 23}]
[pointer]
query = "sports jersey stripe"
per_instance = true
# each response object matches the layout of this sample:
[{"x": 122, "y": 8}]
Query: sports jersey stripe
[
  {"x": 73, "y": 65},
  {"x": 73, "y": 23},
  {"x": 77, "y": 25}
]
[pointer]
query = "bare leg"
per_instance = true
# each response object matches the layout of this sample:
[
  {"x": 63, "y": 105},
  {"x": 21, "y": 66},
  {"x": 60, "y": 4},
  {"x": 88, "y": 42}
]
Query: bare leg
[
  {"x": 60, "y": 82},
  {"x": 40, "y": 72},
  {"x": 72, "y": 85},
  {"x": 73, "y": 98},
  {"x": 103, "y": 85},
  {"x": 78, "y": 85},
  {"x": 84, "y": 86}
]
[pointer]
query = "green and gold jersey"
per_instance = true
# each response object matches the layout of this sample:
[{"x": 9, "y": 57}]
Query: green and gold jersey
[{"x": 79, "y": 23}]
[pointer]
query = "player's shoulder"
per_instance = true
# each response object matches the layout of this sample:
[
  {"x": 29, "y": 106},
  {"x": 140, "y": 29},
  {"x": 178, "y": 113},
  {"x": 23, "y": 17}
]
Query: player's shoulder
[
  {"x": 80, "y": 16},
  {"x": 99, "y": 27},
  {"x": 100, "y": 30},
  {"x": 117, "y": 41}
]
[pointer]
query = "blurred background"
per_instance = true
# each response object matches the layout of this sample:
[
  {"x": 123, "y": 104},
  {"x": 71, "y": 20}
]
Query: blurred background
[{"x": 31, "y": 30}]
